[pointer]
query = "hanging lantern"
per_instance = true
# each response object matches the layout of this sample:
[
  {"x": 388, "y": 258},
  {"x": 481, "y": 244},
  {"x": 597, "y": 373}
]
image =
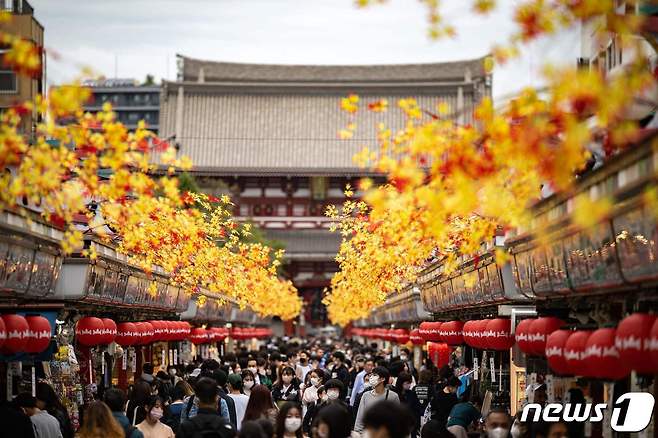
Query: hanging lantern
[
  {"x": 602, "y": 357},
  {"x": 415, "y": 337},
  {"x": 40, "y": 334},
  {"x": 574, "y": 352},
  {"x": 633, "y": 341},
  {"x": 499, "y": 335},
  {"x": 89, "y": 331},
  {"x": 401, "y": 336},
  {"x": 653, "y": 342},
  {"x": 479, "y": 327},
  {"x": 198, "y": 336},
  {"x": 522, "y": 335},
  {"x": 451, "y": 332},
  {"x": 186, "y": 328},
  {"x": 439, "y": 353},
  {"x": 555, "y": 351},
  {"x": 18, "y": 332},
  {"x": 468, "y": 329},
  {"x": 109, "y": 331},
  {"x": 147, "y": 332},
  {"x": 126, "y": 334},
  {"x": 539, "y": 331},
  {"x": 3, "y": 333},
  {"x": 429, "y": 330},
  {"x": 159, "y": 330}
]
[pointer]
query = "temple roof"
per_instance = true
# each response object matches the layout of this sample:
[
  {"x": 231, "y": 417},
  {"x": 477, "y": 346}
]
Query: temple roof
[
  {"x": 305, "y": 244},
  {"x": 213, "y": 71}
]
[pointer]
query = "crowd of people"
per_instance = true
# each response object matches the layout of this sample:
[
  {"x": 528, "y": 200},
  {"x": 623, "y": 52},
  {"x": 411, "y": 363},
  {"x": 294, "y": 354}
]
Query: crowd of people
[{"x": 286, "y": 390}]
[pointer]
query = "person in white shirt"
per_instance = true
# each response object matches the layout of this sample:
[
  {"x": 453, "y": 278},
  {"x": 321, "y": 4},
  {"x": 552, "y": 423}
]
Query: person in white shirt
[
  {"x": 378, "y": 380},
  {"x": 241, "y": 400},
  {"x": 303, "y": 366}
]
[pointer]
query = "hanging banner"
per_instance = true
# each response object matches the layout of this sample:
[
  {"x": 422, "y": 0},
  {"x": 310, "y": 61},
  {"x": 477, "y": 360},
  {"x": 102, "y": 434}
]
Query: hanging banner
[
  {"x": 124, "y": 360},
  {"x": 34, "y": 381},
  {"x": 476, "y": 369},
  {"x": 176, "y": 357},
  {"x": 492, "y": 367}
]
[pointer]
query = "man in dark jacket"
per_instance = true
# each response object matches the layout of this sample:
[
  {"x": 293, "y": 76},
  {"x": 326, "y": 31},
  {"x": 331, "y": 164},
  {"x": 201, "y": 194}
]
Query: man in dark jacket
[
  {"x": 115, "y": 399},
  {"x": 221, "y": 378},
  {"x": 207, "y": 421},
  {"x": 15, "y": 422},
  {"x": 339, "y": 370}
]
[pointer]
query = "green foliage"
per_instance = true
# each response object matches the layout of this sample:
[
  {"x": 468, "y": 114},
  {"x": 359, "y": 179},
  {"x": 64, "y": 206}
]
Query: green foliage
[{"x": 187, "y": 183}]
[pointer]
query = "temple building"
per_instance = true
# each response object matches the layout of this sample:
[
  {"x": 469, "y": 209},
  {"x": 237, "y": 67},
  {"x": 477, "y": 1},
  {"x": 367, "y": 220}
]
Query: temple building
[{"x": 268, "y": 136}]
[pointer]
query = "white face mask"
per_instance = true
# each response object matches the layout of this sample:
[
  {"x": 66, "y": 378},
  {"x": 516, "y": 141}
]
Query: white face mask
[
  {"x": 373, "y": 380},
  {"x": 403, "y": 358},
  {"x": 499, "y": 432},
  {"x": 253, "y": 370},
  {"x": 248, "y": 384},
  {"x": 516, "y": 430},
  {"x": 172, "y": 372},
  {"x": 293, "y": 424},
  {"x": 333, "y": 394},
  {"x": 315, "y": 381}
]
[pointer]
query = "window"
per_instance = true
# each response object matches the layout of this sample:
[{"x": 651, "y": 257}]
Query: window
[
  {"x": 133, "y": 117},
  {"x": 8, "y": 79},
  {"x": 137, "y": 98}
]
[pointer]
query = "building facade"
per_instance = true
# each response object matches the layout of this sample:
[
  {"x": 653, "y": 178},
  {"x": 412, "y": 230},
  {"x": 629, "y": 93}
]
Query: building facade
[
  {"x": 268, "y": 136},
  {"x": 130, "y": 101},
  {"x": 15, "y": 88}
]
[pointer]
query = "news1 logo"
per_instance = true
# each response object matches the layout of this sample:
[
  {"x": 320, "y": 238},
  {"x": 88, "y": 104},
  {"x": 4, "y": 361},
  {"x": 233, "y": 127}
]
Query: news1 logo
[{"x": 631, "y": 412}]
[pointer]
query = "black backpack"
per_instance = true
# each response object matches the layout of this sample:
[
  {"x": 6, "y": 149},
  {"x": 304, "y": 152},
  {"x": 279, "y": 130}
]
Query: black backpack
[{"x": 213, "y": 427}]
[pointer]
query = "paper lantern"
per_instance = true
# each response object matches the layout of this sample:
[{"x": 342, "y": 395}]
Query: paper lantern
[
  {"x": 653, "y": 342},
  {"x": 415, "y": 337},
  {"x": 159, "y": 330},
  {"x": 602, "y": 357},
  {"x": 40, "y": 334},
  {"x": 198, "y": 336},
  {"x": 429, "y": 331},
  {"x": 477, "y": 333},
  {"x": 522, "y": 335},
  {"x": 401, "y": 336},
  {"x": 109, "y": 331},
  {"x": 147, "y": 333},
  {"x": 18, "y": 332},
  {"x": 451, "y": 332},
  {"x": 439, "y": 353},
  {"x": 498, "y": 334},
  {"x": 3, "y": 333},
  {"x": 633, "y": 341},
  {"x": 574, "y": 352},
  {"x": 126, "y": 334},
  {"x": 539, "y": 331},
  {"x": 555, "y": 351},
  {"x": 468, "y": 329},
  {"x": 89, "y": 331}
]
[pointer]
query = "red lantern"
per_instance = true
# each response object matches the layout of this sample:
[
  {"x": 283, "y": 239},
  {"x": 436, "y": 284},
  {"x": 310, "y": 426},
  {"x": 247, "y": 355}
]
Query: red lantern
[
  {"x": 539, "y": 331},
  {"x": 498, "y": 334},
  {"x": 469, "y": 339},
  {"x": 653, "y": 342},
  {"x": 40, "y": 334},
  {"x": 602, "y": 357},
  {"x": 451, "y": 332},
  {"x": 159, "y": 330},
  {"x": 574, "y": 352},
  {"x": 109, "y": 331},
  {"x": 187, "y": 328},
  {"x": 633, "y": 340},
  {"x": 522, "y": 335},
  {"x": 415, "y": 337},
  {"x": 198, "y": 336},
  {"x": 147, "y": 332},
  {"x": 430, "y": 331},
  {"x": 89, "y": 331},
  {"x": 555, "y": 350},
  {"x": 18, "y": 332},
  {"x": 439, "y": 353},
  {"x": 401, "y": 336},
  {"x": 126, "y": 334},
  {"x": 478, "y": 339},
  {"x": 3, "y": 332}
]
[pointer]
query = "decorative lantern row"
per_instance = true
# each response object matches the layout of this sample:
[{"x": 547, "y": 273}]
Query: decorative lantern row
[
  {"x": 24, "y": 334},
  {"x": 91, "y": 331}
]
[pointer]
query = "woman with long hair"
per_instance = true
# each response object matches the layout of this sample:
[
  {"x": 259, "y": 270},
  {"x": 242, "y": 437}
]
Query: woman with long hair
[
  {"x": 260, "y": 404},
  {"x": 47, "y": 400},
  {"x": 286, "y": 387},
  {"x": 315, "y": 379},
  {"x": 136, "y": 401},
  {"x": 152, "y": 427},
  {"x": 98, "y": 422},
  {"x": 248, "y": 381},
  {"x": 289, "y": 421}
]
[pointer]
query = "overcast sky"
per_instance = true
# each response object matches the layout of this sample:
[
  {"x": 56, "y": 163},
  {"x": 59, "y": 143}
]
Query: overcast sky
[{"x": 137, "y": 37}]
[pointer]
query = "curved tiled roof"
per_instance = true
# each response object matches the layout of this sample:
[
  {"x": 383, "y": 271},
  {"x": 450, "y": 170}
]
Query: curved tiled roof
[{"x": 214, "y": 71}]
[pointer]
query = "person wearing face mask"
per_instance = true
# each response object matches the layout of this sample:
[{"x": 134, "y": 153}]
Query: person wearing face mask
[
  {"x": 303, "y": 367},
  {"x": 405, "y": 358},
  {"x": 240, "y": 400},
  {"x": 289, "y": 421},
  {"x": 248, "y": 382},
  {"x": 407, "y": 396},
  {"x": 497, "y": 423},
  {"x": 311, "y": 391},
  {"x": 335, "y": 391},
  {"x": 359, "y": 380},
  {"x": 151, "y": 427},
  {"x": 286, "y": 387},
  {"x": 378, "y": 381},
  {"x": 445, "y": 400},
  {"x": 261, "y": 372}
]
